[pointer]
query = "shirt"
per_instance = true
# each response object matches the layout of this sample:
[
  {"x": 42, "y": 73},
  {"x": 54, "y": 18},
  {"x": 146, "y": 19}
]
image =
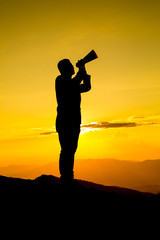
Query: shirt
[{"x": 68, "y": 94}]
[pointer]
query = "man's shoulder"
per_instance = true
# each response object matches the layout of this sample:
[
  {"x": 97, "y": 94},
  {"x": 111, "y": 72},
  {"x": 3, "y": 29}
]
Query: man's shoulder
[
  {"x": 61, "y": 78},
  {"x": 59, "y": 81},
  {"x": 58, "y": 78}
]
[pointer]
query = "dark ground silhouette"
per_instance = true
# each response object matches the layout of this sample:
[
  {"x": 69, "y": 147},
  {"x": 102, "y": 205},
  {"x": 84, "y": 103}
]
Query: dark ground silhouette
[
  {"x": 44, "y": 208},
  {"x": 49, "y": 189}
]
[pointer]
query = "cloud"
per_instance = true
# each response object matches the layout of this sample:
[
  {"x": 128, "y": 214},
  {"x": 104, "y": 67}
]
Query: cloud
[
  {"x": 98, "y": 125},
  {"x": 146, "y": 119},
  {"x": 105, "y": 125},
  {"x": 132, "y": 121},
  {"x": 42, "y": 131},
  {"x": 47, "y": 133}
]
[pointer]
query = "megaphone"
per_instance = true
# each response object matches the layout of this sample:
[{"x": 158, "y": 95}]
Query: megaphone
[{"x": 88, "y": 58}]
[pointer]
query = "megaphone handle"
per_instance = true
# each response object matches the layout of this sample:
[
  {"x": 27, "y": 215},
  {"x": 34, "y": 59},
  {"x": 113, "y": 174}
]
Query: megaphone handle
[{"x": 80, "y": 63}]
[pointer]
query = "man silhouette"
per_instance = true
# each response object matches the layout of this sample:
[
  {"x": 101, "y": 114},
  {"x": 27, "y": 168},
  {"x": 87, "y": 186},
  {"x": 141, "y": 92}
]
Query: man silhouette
[{"x": 68, "y": 94}]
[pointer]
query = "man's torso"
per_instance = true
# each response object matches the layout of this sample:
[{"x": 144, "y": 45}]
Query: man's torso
[{"x": 68, "y": 100}]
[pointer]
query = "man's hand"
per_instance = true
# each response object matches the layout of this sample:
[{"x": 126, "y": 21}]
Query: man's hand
[
  {"x": 80, "y": 63},
  {"x": 82, "y": 71},
  {"x": 81, "y": 66}
]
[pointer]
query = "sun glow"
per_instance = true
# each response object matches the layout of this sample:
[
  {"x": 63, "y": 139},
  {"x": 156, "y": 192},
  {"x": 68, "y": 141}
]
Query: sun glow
[{"x": 86, "y": 130}]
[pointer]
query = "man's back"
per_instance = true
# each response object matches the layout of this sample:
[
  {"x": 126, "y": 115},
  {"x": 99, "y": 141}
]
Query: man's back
[
  {"x": 68, "y": 99},
  {"x": 68, "y": 93}
]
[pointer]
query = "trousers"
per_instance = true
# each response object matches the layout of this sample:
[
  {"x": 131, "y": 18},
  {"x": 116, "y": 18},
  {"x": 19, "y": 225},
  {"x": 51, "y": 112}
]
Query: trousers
[{"x": 68, "y": 139}]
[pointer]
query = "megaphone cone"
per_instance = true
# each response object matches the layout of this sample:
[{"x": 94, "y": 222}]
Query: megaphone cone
[{"x": 88, "y": 58}]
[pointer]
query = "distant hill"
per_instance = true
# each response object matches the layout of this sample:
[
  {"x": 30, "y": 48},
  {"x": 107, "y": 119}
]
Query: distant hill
[{"x": 142, "y": 176}]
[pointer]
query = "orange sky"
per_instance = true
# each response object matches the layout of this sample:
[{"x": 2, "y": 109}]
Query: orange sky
[{"x": 125, "y": 97}]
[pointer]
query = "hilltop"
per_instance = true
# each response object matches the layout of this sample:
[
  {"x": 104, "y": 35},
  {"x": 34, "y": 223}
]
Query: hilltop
[
  {"x": 44, "y": 205},
  {"x": 48, "y": 188}
]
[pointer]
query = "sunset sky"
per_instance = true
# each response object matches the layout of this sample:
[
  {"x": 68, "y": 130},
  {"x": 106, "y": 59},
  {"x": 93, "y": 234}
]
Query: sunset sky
[{"x": 120, "y": 115}]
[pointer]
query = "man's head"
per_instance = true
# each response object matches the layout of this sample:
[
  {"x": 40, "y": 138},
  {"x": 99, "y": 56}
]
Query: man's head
[{"x": 65, "y": 67}]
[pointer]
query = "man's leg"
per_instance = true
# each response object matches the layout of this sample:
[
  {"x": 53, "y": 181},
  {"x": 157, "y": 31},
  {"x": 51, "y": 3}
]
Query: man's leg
[
  {"x": 74, "y": 144},
  {"x": 69, "y": 142}
]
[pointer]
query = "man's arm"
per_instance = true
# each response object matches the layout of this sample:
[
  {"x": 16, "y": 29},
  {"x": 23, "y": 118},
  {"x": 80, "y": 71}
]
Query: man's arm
[
  {"x": 82, "y": 75},
  {"x": 86, "y": 85}
]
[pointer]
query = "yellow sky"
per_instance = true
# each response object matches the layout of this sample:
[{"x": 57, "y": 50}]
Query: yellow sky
[{"x": 35, "y": 35}]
